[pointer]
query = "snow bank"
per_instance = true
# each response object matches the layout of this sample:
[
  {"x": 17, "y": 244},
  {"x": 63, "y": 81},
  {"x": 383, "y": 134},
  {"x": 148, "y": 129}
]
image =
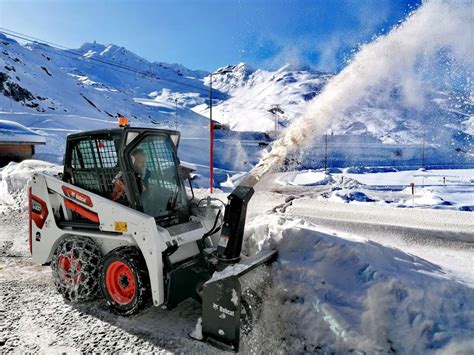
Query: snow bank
[
  {"x": 305, "y": 178},
  {"x": 424, "y": 197},
  {"x": 437, "y": 189},
  {"x": 351, "y": 196},
  {"x": 14, "y": 177},
  {"x": 340, "y": 295},
  {"x": 406, "y": 177},
  {"x": 17, "y": 133}
]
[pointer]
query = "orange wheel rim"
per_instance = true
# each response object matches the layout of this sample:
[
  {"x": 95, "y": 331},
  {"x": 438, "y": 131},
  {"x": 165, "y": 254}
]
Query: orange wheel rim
[
  {"x": 120, "y": 282},
  {"x": 69, "y": 268}
]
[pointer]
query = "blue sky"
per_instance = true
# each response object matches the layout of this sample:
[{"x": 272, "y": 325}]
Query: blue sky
[{"x": 206, "y": 34}]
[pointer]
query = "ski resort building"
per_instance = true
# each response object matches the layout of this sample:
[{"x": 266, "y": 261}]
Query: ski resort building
[{"x": 17, "y": 142}]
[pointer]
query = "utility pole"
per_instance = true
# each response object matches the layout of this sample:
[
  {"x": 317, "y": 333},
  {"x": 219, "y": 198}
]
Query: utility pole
[
  {"x": 211, "y": 139},
  {"x": 423, "y": 151},
  {"x": 176, "y": 112},
  {"x": 275, "y": 110},
  {"x": 326, "y": 152}
]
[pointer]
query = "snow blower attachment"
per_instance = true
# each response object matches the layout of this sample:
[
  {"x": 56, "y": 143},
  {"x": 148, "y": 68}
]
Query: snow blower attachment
[
  {"x": 119, "y": 223},
  {"x": 222, "y": 295}
]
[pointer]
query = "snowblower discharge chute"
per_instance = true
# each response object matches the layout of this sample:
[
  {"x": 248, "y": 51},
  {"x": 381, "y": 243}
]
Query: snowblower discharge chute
[{"x": 120, "y": 223}]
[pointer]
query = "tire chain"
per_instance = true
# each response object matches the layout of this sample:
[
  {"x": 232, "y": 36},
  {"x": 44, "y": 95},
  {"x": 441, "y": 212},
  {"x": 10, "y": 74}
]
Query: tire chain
[
  {"x": 134, "y": 257},
  {"x": 88, "y": 255}
]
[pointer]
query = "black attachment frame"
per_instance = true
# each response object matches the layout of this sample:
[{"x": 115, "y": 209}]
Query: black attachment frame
[{"x": 230, "y": 242}]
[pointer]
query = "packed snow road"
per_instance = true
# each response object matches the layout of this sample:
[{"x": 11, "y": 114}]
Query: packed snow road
[
  {"x": 35, "y": 318},
  {"x": 348, "y": 278}
]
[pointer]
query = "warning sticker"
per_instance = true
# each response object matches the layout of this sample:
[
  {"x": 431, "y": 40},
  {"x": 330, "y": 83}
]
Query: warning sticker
[
  {"x": 223, "y": 240},
  {"x": 121, "y": 226}
]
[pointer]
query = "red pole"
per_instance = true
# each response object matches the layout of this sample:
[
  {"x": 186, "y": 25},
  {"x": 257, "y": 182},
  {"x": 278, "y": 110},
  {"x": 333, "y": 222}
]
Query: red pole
[
  {"x": 211, "y": 139},
  {"x": 211, "y": 173}
]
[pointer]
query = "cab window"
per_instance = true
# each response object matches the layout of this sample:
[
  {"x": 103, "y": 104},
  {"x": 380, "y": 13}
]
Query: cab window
[{"x": 155, "y": 167}]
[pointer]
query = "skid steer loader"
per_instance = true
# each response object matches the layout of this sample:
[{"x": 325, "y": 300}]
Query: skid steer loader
[{"x": 119, "y": 222}]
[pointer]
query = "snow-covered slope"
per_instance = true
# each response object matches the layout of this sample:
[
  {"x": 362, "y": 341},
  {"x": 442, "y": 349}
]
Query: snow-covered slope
[
  {"x": 57, "y": 92},
  {"x": 283, "y": 95},
  {"x": 37, "y": 78},
  {"x": 262, "y": 100}
]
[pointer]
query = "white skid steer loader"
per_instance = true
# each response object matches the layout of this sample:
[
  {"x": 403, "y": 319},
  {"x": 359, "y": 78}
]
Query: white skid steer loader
[{"x": 119, "y": 222}]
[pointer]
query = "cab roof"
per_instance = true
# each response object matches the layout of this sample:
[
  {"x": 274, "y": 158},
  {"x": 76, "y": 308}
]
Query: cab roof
[{"x": 121, "y": 130}]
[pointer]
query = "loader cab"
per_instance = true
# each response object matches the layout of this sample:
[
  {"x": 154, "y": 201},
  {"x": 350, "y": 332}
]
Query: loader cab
[{"x": 142, "y": 161}]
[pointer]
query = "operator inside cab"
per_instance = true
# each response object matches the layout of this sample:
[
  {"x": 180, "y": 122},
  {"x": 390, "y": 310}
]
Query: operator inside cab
[
  {"x": 142, "y": 175},
  {"x": 154, "y": 168}
]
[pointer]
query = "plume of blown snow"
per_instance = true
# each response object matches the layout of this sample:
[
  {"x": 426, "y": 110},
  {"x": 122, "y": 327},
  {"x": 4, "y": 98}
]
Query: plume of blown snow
[{"x": 435, "y": 26}]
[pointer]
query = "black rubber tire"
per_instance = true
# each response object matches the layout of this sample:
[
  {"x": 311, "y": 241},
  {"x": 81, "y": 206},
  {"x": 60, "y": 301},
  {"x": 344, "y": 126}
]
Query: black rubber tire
[
  {"x": 136, "y": 263},
  {"x": 79, "y": 282}
]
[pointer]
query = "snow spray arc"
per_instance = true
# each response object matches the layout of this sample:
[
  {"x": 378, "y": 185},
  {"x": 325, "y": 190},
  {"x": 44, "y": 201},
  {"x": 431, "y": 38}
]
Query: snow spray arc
[{"x": 435, "y": 26}]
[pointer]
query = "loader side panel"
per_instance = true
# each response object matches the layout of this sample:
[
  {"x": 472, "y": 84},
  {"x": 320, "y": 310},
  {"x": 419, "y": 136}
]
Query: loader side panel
[
  {"x": 117, "y": 226},
  {"x": 43, "y": 235}
]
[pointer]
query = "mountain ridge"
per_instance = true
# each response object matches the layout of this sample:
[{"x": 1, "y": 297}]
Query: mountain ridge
[{"x": 39, "y": 79}]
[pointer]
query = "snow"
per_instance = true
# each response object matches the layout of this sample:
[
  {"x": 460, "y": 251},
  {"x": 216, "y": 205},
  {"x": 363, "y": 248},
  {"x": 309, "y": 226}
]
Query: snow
[
  {"x": 13, "y": 132},
  {"x": 230, "y": 270},
  {"x": 419, "y": 178},
  {"x": 428, "y": 197},
  {"x": 254, "y": 92},
  {"x": 371, "y": 298},
  {"x": 353, "y": 274},
  {"x": 197, "y": 332},
  {"x": 234, "y": 180},
  {"x": 13, "y": 180},
  {"x": 339, "y": 293},
  {"x": 305, "y": 178},
  {"x": 235, "y": 298},
  {"x": 345, "y": 280},
  {"x": 439, "y": 189}
]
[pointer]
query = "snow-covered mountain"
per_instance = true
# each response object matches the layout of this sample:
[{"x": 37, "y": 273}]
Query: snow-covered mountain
[
  {"x": 60, "y": 91},
  {"x": 263, "y": 100},
  {"x": 121, "y": 55},
  {"x": 433, "y": 127},
  {"x": 39, "y": 78},
  {"x": 56, "y": 92}
]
